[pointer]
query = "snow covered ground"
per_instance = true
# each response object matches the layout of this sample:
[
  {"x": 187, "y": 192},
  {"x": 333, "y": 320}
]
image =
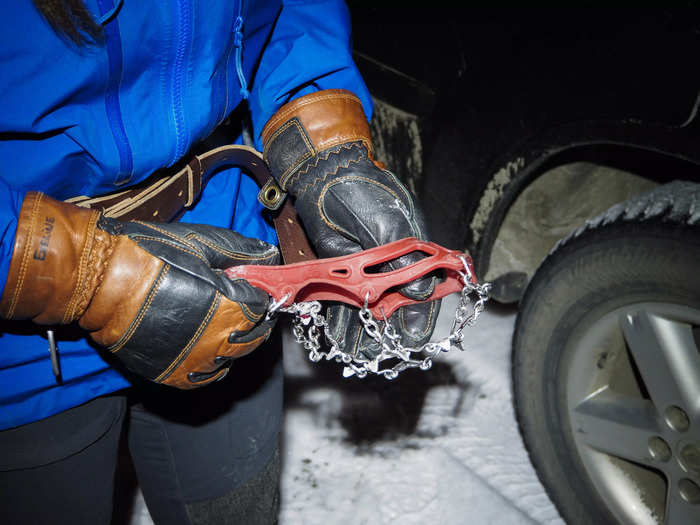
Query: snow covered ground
[{"x": 440, "y": 446}]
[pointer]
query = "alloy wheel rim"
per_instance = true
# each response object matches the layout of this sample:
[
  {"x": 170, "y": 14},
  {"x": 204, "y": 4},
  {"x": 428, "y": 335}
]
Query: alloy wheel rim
[{"x": 633, "y": 407}]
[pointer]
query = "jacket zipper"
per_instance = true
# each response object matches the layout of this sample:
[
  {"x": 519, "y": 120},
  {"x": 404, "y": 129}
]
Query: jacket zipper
[
  {"x": 179, "y": 77},
  {"x": 224, "y": 110},
  {"x": 115, "y": 60},
  {"x": 237, "y": 32}
]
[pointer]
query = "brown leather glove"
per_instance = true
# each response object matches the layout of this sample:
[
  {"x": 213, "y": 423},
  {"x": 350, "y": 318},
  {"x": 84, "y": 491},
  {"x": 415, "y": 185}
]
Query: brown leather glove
[
  {"x": 319, "y": 149},
  {"x": 152, "y": 294}
]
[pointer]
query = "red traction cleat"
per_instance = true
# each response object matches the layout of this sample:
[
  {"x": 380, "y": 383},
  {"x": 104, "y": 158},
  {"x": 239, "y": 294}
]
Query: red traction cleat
[{"x": 347, "y": 279}]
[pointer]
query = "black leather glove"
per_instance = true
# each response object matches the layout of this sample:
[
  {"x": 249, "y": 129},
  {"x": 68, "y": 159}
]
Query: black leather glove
[
  {"x": 152, "y": 294},
  {"x": 319, "y": 150}
]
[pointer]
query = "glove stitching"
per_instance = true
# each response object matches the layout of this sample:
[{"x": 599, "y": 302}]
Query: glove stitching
[
  {"x": 428, "y": 324},
  {"x": 237, "y": 346},
  {"x": 358, "y": 336},
  {"x": 142, "y": 312},
  {"x": 411, "y": 221},
  {"x": 347, "y": 233},
  {"x": 340, "y": 327},
  {"x": 102, "y": 248},
  {"x": 84, "y": 271},
  {"x": 310, "y": 147},
  {"x": 173, "y": 236},
  {"x": 424, "y": 295},
  {"x": 289, "y": 171},
  {"x": 193, "y": 341},
  {"x": 106, "y": 257},
  {"x": 321, "y": 196},
  {"x": 284, "y": 114},
  {"x": 172, "y": 244},
  {"x": 324, "y": 156},
  {"x": 25, "y": 257},
  {"x": 249, "y": 313},
  {"x": 343, "y": 139},
  {"x": 231, "y": 254}
]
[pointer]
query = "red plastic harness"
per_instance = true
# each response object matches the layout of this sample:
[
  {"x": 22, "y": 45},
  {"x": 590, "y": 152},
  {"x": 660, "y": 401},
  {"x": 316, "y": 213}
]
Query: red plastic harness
[{"x": 347, "y": 280}]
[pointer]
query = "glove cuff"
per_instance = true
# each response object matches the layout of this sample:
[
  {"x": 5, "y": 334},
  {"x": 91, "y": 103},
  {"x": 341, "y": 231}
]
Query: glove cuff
[
  {"x": 308, "y": 125},
  {"x": 53, "y": 271}
]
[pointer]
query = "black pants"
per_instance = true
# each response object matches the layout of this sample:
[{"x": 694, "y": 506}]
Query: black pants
[{"x": 203, "y": 456}]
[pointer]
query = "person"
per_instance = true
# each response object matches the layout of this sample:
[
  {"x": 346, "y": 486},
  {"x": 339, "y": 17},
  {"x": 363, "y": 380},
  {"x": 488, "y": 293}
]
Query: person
[{"x": 97, "y": 96}]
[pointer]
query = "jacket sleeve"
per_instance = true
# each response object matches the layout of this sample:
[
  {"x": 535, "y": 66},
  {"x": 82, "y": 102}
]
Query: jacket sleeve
[
  {"x": 10, "y": 204},
  {"x": 309, "y": 50}
]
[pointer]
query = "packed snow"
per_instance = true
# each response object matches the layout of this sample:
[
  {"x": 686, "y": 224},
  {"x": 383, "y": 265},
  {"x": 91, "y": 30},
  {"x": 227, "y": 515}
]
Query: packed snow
[{"x": 440, "y": 446}]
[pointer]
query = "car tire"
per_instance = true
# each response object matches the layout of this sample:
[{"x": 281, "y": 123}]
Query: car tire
[{"x": 606, "y": 369}]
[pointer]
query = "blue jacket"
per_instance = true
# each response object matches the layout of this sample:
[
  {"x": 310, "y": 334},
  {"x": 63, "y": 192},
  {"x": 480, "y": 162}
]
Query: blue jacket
[{"x": 84, "y": 121}]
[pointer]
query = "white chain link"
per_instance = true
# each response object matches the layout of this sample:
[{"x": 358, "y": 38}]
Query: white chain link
[{"x": 309, "y": 324}]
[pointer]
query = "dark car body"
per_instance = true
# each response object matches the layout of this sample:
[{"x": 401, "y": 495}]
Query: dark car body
[{"x": 501, "y": 97}]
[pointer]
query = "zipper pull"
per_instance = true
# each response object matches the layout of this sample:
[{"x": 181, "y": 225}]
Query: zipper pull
[
  {"x": 109, "y": 14},
  {"x": 238, "y": 44}
]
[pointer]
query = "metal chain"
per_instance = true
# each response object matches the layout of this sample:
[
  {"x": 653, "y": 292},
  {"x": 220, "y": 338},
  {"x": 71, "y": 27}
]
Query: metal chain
[{"x": 308, "y": 325}]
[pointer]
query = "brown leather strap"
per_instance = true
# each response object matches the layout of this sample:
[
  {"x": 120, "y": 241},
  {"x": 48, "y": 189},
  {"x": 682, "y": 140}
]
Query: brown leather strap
[
  {"x": 293, "y": 242},
  {"x": 162, "y": 197}
]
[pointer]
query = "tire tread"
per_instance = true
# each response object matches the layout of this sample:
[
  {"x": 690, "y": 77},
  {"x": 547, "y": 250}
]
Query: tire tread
[{"x": 673, "y": 204}]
